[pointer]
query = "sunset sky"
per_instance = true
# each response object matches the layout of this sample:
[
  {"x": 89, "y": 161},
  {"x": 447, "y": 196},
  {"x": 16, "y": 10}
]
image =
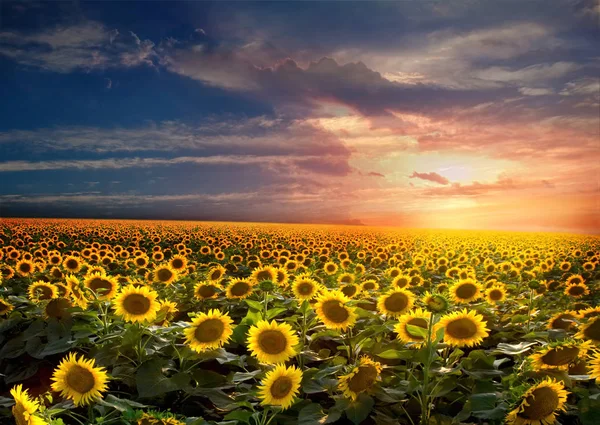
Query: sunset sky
[{"x": 453, "y": 114}]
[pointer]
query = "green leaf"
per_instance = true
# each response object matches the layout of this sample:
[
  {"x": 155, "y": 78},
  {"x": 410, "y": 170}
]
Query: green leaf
[
  {"x": 484, "y": 401},
  {"x": 311, "y": 414},
  {"x": 416, "y": 331},
  {"x": 396, "y": 354},
  {"x": 274, "y": 312},
  {"x": 239, "y": 415},
  {"x": 151, "y": 382},
  {"x": 359, "y": 409},
  {"x": 120, "y": 404},
  {"x": 255, "y": 304}
]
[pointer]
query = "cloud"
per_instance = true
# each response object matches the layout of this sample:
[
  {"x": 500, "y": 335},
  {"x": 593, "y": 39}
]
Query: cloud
[
  {"x": 533, "y": 73},
  {"x": 530, "y": 91},
  {"x": 375, "y": 174},
  {"x": 432, "y": 177}
]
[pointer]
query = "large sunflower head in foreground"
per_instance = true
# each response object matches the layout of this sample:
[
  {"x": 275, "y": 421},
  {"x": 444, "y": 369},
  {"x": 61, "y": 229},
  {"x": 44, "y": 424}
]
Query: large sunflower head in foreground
[
  {"x": 395, "y": 302},
  {"x": 360, "y": 379},
  {"x": 564, "y": 320},
  {"x": 25, "y": 408},
  {"x": 590, "y": 331},
  {"x": 279, "y": 386},
  {"x": 417, "y": 317},
  {"x": 462, "y": 328},
  {"x": 208, "y": 331},
  {"x": 594, "y": 367},
  {"x": 559, "y": 355},
  {"x": 272, "y": 342},
  {"x": 40, "y": 291},
  {"x": 333, "y": 311},
  {"x": 539, "y": 404},
  {"x": 136, "y": 304},
  {"x": 79, "y": 380}
]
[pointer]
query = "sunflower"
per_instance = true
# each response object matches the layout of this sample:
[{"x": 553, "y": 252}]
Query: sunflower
[
  {"x": 5, "y": 307},
  {"x": 79, "y": 380},
  {"x": 360, "y": 379},
  {"x": 136, "y": 304},
  {"x": 72, "y": 264},
  {"x": 279, "y": 386},
  {"x": 216, "y": 273},
  {"x": 346, "y": 278},
  {"x": 417, "y": 317},
  {"x": 332, "y": 310},
  {"x": 283, "y": 276},
  {"x": 577, "y": 290},
  {"x": 165, "y": 274},
  {"x": 590, "y": 331},
  {"x": 77, "y": 295},
  {"x": 369, "y": 285},
  {"x": 330, "y": 268},
  {"x": 206, "y": 290},
  {"x": 350, "y": 290},
  {"x": 25, "y": 408},
  {"x": 589, "y": 312},
  {"x": 465, "y": 291},
  {"x": 105, "y": 287},
  {"x": 495, "y": 294},
  {"x": 401, "y": 281},
  {"x": 594, "y": 367},
  {"x": 395, "y": 302},
  {"x": 41, "y": 290},
  {"x": 166, "y": 312},
  {"x": 25, "y": 268},
  {"x": 575, "y": 280},
  {"x": 58, "y": 308},
  {"x": 559, "y": 355},
  {"x": 208, "y": 331},
  {"x": 178, "y": 263},
  {"x": 563, "y": 320},
  {"x": 435, "y": 302},
  {"x": 539, "y": 404},
  {"x": 239, "y": 288},
  {"x": 305, "y": 288},
  {"x": 272, "y": 342},
  {"x": 462, "y": 328}
]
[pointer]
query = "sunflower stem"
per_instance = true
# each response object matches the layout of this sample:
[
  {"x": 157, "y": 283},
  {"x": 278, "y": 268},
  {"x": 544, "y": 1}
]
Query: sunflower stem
[
  {"x": 91, "y": 418},
  {"x": 529, "y": 309},
  {"x": 425, "y": 408},
  {"x": 266, "y": 308}
]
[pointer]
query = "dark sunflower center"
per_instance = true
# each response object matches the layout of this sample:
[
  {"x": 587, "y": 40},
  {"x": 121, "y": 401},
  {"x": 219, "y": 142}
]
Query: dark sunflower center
[
  {"x": 272, "y": 341},
  {"x": 71, "y": 264},
  {"x": 80, "y": 379},
  {"x": 560, "y": 356},
  {"x": 281, "y": 387},
  {"x": 43, "y": 292},
  {"x": 401, "y": 283},
  {"x": 542, "y": 402},
  {"x": 177, "y": 263},
  {"x": 207, "y": 291},
  {"x": 140, "y": 261},
  {"x": 461, "y": 328},
  {"x": 396, "y": 302},
  {"x": 136, "y": 304},
  {"x": 25, "y": 268},
  {"x": 363, "y": 379},
  {"x": 3, "y": 307},
  {"x": 346, "y": 279},
  {"x": 263, "y": 275},
  {"x": 495, "y": 294},
  {"x": 100, "y": 285},
  {"x": 592, "y": 331},
  {"x": 58, "y": 308},
  {"x": 305, "y": 288},
  {"x": 575, "y": 281},
  {"x": 209, "y": 331},
  {"x": 576, "y": 290},
  {"x": 330, "y": 268},
  {"x": 578, "y": 368},
  {"x": 335, "y": 311},
  {"x": 369, "y": 286},
  {"x": 349, "y": 290},
  {"x": 240, "y": 288},
  {"x": 422, "y": 323},
  {"x": 564, "y": 321},
  {"x": 164, "y": 275},
  {"x": 466, "y": 291}
]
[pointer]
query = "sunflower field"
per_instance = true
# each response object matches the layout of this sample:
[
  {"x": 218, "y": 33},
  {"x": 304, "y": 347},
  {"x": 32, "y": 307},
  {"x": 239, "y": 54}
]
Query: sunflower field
[{"x": 148, "y": 322}]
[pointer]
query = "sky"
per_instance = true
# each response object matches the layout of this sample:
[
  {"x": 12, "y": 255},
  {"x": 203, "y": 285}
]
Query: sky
[{"x": 454, "y": 114}]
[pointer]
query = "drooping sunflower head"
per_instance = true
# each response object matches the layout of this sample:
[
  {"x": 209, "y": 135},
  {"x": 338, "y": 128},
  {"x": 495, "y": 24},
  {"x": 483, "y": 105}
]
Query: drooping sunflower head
[
  {"x": 205, "y": 290},
  {"x": 305, "y": 288},
  {"x": 417, "y": 317},
  {"x": 272, "y": 342},
  {"x": 463, "y": 328},
  {"x": 79, "y": 380},
  {"x": 105, "y": 287},
  {"x": 564, "y": 320},
  {"x": 58, "y": 308},
  {"x": 40, "y": 291},
  {"x": 395, "y": 302},
  {"x": 559, "y": 355},
  {"x": 539, "y": 404},
  {"x": 136, "y": 304},
  {"x": 436, "y": 302},
  {"x": 594, "y": 367},
  {"x": 164, "y": 274},
  {"x": 360, "y": 379},
  {"x": 209, "y": 331},
  {"x": 333, "y": 311},
  {"x": 280, "y": 386},
  {"x": 465, "y": 291},
  {"x": 166, "y": 312},
  {"x": 5, "y": 307},
  {"x": 590, "y": 330},
  {"x": 239, "y": 288},
  {"x": 25, "y": 408}
]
